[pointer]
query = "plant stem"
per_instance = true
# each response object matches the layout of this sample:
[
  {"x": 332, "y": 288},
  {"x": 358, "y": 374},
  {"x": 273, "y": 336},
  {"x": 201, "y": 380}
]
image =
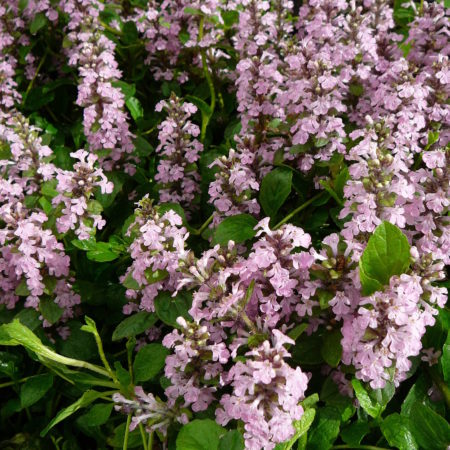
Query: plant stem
[
  {"x": 127, "y": 432},
  {"x": 143, "y": 436},
  {"x": 297, "y": 210},
  {"x": 38, "y": 68},
  {"x": 150, "y": 441},
  {"x": 205, "y": 119},
  {"x": 105, "y": 362},
  {"x": 12, "y": 383},
  {"x": 203, "y": 227}
]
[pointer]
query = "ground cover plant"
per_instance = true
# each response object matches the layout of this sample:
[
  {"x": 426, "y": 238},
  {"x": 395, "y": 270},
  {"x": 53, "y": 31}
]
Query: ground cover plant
[{"x": 224, "y": 224}]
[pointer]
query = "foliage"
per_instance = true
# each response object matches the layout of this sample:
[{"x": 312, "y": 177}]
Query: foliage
[{"x": 224, "y": 224}]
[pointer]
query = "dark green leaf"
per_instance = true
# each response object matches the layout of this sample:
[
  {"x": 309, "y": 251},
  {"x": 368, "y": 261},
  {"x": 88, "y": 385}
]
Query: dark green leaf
[
  {"x": 86, "y": 399},
  {"x": 432, "y": 431},
  {"x": 34, "y": 389},
  {"x": 50, "y": 310},
  {"x": 203, "y": 107},
  {"x": 331, "y": 349},
  {"x": 233, "y": 440},
  {"x": 169, "y": 308},
  {"x": 134, "y": 325},
  {"x": 135, "y": 108},
  {"x": 130, "y": 282},
  {"x": 325, "y": 429},
  {"x": 397, "y": 431},
  {"x": 386, "y": 254},
  {"x": 238, "y": 228},
  {"x": 38, "y": 22},
  {"x": 127, "y": 89},
  {"x": 200, "y": 435},
  {"x": 275, "y": 189},
  {"x": 149, "y": 361},
  {"x": 97, "y": 415},
  {"x": 354, "y": 433}
]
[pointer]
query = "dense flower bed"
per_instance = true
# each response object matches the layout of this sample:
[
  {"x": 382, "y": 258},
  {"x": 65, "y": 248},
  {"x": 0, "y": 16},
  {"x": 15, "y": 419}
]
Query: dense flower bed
[{"x": 224, "y": 224}]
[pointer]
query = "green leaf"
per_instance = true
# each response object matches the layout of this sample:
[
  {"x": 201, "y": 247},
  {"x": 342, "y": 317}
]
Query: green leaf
[
  {"x": 203, "y": 107},
  {"x": 157, "y": 275},
  {"x": 301, "y": 427},
  {"x": 169, "y": 308},
  {"x": 22, "y": 289},
  {"x": 97, "y": 415},
  {"x": 135, "y": 108},
  {"x": 38, "y": 22},
  {"x": 86, "y": 399},
  {"x": 238, "y": 228},
  {"x": 418, "y": 393},
  {"x": 275, "y": 189},
  {"x": 200, "y": 435},
  {"x": 387, "y": 254},
  {"x": 397, "y": 431},
  {"x": 176, "y": 207},
  {"x": 432, "y": 431},
  {"x": 354, "y": 433},
  {"x": 79, "y": 344},
  {"x": 192, "y": 11},
  {"x": 143, "y": 147},
  {"x": 130, "y": 283},
  {"x": 233, "y": 440},
  {"x": 50, "y": 310},
  {"x": 128, "y": 90},
  {"x": 331, "y": 349},
  {"x": 34, "y": 389},
  {"x": 332, "y": 397},
  {"x": 102, "y": 253},
  {"x": 325, "y": 430},
  {"x": 129, "y": 32},
  {"x": 149, "y": 361},
  {"x": 134, "y": 325},
  {"x": 374, "y": 401}
]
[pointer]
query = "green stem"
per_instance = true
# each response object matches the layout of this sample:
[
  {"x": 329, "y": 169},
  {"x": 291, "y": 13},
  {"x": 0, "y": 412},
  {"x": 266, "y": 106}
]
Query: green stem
[
  {"x": 127, "y": 432},
  {"x": 30, "y": 85},
  {"x": 362, "y": 447},
  {"x": 297, "y": 210},
  {"x": 205, "y": 119},
  {"x": 150, "y": 441},
  {"x": 248, "y": 322},
  {"x": 12, "y": 383},
  {"x": 143, "y": 436},
  {"x": 104, "y": 360},
  {"x": 203, "y": 227}
]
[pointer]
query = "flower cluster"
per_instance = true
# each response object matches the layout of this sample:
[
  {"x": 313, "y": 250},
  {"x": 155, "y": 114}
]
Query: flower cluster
[
  {"x": 157, "y": 248},
  {"x": 75, "y": 189},
  {"x": 148, "y": 408},
  {"x": 329, "y": 98},
  {"x": 179, "y": 152},
  {"x": 33, "y": 264},
  {"x": 105, "y": 120},
  {"x": 162, "y": 23},
  {"x": 231, "y": 191},
  {"x": 266, "y": 394}
]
